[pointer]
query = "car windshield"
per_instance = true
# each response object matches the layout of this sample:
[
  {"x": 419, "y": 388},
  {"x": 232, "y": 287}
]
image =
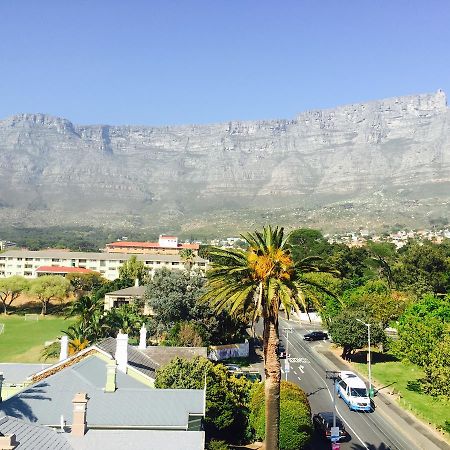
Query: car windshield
[{"x": 358, "y": 392}]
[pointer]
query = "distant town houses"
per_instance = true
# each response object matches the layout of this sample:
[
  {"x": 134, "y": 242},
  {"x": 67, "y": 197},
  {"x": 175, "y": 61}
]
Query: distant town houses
[
  {"x": 166, "y": 253},
  {"x": 399, "y": 238}
]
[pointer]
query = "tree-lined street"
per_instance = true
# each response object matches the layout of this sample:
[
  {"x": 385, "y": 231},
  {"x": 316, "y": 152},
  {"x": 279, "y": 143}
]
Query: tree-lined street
[{"x": 372, "y": 431}]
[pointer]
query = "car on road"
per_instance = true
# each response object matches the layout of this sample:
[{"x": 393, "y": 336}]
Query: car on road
[
  {"x": 315, "y": 336},
  {"x": 323, "y": 422},
  {"x": 353, "y": 391},
  {"x": 281, "y": 351}
]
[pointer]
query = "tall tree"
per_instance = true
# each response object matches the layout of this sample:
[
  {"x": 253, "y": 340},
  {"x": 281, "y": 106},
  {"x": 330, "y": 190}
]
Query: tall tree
[
  {"x": 187, "y": 256},
  {"x": 10, "y": 290},
  {"x": 134, "y": 270},
  {"x": 262, "y": 278},
  {"x": 48, "y": 287}
]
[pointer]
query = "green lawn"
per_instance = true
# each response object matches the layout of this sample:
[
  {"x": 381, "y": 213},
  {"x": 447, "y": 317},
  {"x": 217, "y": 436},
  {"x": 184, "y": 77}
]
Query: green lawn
[
  {"x": 403, "y": 377},
  {"x": 23, "y": 340}
]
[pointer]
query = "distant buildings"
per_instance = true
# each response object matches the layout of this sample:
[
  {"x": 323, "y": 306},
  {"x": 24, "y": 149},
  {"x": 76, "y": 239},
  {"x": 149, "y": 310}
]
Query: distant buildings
[
  {"x": 166, "y": 245},
  {"x": 30, "y": 264}
]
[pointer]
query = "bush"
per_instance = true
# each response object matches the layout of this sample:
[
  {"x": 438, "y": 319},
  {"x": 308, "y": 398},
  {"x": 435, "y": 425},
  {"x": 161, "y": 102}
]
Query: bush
[
  {"x": 217, "y": 445},
  {"x": 295, "y": 415}
]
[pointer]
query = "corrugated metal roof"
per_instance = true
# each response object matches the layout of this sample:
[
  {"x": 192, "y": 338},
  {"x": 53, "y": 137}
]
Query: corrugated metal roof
[
  {"x": 33, "y": 437},
  {"x": 140, "y": 440},
  {"x": 136, "y": 358},
  {"x": 19, "y": 372},
  {"x": 133, "y": 404}
]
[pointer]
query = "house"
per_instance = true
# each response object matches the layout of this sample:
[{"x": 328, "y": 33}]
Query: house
[
  {"x": 103, "y": 396},
  {"x": 124, "y": 296},
  {"x": 27, "y": 262},
  {"x": 63, "y": 271},
  {"x": 166, "y": 245}
]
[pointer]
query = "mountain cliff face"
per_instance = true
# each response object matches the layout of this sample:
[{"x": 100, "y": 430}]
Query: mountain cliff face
[{"x": 376, "y": 155}]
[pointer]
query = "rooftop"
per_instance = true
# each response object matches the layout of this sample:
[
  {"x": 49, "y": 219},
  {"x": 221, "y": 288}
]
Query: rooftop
[{"x": 59, "y": 269}]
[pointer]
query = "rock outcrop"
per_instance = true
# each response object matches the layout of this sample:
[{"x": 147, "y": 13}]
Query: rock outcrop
[{"x": 55, "y": 172}]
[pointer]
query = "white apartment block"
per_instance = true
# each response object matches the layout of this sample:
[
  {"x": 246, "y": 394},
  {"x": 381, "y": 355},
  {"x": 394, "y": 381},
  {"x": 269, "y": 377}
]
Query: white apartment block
[{"x": 25, "y": 262}]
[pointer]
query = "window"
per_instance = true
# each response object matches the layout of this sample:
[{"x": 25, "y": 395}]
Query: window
[
  {"x": 102, "y": 263},
  {"x": 56, "y": 260},
  {"x": 175, "y": 263},
  {"x": 343, "y": 385}
]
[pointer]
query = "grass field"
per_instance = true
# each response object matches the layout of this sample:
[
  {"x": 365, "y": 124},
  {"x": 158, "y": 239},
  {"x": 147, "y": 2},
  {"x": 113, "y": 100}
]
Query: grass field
[
  {"x": 403, "y": 378},
  {"x": 23, "y": 340}
]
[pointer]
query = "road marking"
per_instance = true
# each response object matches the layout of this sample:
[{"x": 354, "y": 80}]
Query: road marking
[
  {"x": 299, "y": 379},
  {"x": 301, "y": 369},
  {"x": 294, "y": 372},
  {"x": 299, "y": 360}
]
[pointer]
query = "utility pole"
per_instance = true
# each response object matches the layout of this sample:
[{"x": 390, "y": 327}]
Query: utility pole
[
  {"x": 333, "y": 375},
  {"x": 286, "y": 364}
]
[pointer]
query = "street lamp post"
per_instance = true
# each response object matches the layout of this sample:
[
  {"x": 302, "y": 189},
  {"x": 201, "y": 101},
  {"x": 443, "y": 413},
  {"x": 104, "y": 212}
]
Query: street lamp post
[
  {"x": 368, "y": 357},
  {"x": 333, "y": 375}
]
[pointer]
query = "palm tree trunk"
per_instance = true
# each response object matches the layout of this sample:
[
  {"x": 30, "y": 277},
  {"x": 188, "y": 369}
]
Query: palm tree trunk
[{"x": 272, "y": 383}]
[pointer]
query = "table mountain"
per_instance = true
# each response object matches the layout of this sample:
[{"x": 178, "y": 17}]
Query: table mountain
[{"x": 365, "y": 164}]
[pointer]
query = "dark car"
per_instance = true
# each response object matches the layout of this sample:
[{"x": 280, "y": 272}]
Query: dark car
[
  {"x": 315, "y": 336},
  {"x": 323, "y": 422},
  {"x": 281, "y": 351}
]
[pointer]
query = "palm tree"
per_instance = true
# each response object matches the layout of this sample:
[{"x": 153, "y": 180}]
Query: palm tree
[
  {"x": 261, "y": 279},
  {"x": 188, "y": 256}
]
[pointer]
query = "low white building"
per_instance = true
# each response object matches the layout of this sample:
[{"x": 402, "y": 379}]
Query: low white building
[{"x": 25, "y": 262}]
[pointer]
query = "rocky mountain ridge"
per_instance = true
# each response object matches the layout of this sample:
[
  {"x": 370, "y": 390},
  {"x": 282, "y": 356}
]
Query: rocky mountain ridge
[{"x": 377, "y": 155}]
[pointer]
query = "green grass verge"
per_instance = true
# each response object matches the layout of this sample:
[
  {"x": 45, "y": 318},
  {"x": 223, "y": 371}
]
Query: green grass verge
[
  {"x": 23, "y": 340},
  {"x": 403, "y": 377}
]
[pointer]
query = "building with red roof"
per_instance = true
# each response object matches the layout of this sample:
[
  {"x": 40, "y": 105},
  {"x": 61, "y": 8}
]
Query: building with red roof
[
  {"x": 167, "y": 245},
  {"x": 59, "y": 270}
]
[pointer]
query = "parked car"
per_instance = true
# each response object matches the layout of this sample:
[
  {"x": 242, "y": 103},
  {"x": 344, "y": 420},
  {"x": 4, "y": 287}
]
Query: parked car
[
  {"x": 323, "y": 422},
  {"x": 315, "y": 336},
  {"x": 232, "y": 367}
]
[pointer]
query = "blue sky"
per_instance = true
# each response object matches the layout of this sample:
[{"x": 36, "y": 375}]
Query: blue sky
[{"x": 174, "y": 62}]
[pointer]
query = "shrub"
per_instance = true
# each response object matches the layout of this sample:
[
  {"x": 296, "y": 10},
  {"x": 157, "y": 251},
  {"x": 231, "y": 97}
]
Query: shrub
[
  {"x": 295, "y": 415},
  {"x": 217, "y": 445}
]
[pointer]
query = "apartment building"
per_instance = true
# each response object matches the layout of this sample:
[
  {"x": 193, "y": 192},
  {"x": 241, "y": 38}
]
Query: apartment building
[{"x": 26, "y": 262}]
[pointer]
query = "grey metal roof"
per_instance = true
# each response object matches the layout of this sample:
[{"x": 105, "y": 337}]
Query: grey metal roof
[
  {"x": 63, "y": 254},
  {"x": 136, "y": 358},
  {"x": 18, "y": 373},
  {"x": 163, "y": 355},
  {"x": 33, "y": 437},
  {"x": 133, "y": 404},
  {"x": 137, "y": 291},
  {"x": 139, "y": 440}
]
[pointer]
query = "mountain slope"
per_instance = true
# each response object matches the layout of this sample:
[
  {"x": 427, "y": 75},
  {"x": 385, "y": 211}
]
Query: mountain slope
[{"x": 377, "y": 155}]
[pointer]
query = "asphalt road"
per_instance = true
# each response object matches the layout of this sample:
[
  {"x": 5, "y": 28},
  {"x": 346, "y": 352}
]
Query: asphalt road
[{"x": 369, "y": 431}]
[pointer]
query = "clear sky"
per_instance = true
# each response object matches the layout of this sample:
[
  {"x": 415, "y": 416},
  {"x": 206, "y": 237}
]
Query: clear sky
[{"x": 159, "y": 62}]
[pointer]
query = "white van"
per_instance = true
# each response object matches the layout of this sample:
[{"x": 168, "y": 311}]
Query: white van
[{"x": 353, "y": 391}]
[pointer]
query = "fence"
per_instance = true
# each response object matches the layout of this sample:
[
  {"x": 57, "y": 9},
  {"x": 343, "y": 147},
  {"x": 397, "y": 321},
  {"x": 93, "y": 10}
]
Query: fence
[{"x": 220, "y": 352}]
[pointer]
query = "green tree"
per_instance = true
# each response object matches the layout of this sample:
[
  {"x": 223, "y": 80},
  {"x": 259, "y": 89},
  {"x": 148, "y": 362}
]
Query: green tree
[
  {"x": 350, "y": 334},
  {"x": 88, "y": 309},
  {"x": 48, "y": 287},
  {"x": 226, "y": 396},
  {"x": 10, "y": 290},
  {"x": 437, "y": 371},
  {"x": 134, "y": 270},
  {"x": 261, "y": 279},
  {"x": 306, "y": 242},
  {"x": 295, "y": 415},
  {"x": 83, "y": 283},
  {"x": 173, "y": 295},
  {"x": 421, "y": 328},
  {"x": 127, "y": 318},
  {"x": 188, "y": 257},
  {"x": 384, "y": 255}
]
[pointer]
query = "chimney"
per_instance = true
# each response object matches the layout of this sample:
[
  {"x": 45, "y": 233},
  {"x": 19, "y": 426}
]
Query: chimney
[
  {"x": 2, "y": 379},
  {"x": 121, "y": 355},
  {"x": 143, "y": 338},
  {"x": 111, "y": 368},
  {"x": 8, "y": 441},
  {"x": 79, "y": 424},
  {"x": 136, "y": 282},
  {"x": 64, "y": 351}
]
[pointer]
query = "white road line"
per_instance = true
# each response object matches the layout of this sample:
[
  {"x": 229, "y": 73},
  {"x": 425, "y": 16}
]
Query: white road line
[
  {"x": 331, "y": 396},
  {"x": 299, "y": 379},
  {"x": 294, "y": 372}
]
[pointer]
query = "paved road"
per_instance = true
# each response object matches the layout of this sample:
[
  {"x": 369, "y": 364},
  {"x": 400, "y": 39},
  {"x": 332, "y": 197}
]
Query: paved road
[{"x": 369, "y": 431}]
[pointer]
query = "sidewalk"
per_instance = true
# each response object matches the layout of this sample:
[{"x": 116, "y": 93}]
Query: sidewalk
[{"x": 409, "y": 425}]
